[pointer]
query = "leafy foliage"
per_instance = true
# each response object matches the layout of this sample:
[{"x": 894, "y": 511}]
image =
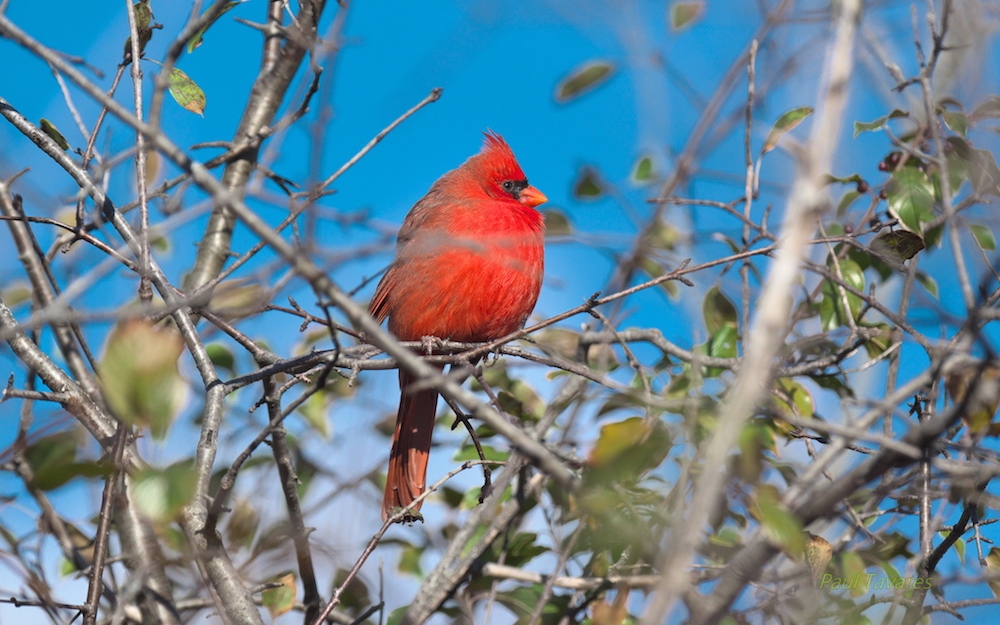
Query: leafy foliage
[{"x": 215, "y": 447}]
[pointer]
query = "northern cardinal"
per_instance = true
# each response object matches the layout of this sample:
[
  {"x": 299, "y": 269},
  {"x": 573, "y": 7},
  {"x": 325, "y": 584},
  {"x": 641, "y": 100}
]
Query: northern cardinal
[{"x": 468, "y": 268}]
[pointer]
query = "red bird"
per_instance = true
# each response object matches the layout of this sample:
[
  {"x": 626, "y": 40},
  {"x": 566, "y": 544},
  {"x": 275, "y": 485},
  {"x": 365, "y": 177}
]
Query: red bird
[{"x": 468, "y": 268}]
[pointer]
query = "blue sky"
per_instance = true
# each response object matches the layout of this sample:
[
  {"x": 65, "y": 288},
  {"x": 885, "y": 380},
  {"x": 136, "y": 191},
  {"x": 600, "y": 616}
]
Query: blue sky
[{"x": 498, "y": 63}]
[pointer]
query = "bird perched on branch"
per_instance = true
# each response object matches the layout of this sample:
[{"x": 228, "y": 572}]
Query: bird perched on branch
[{"x": 468, "y": 268}]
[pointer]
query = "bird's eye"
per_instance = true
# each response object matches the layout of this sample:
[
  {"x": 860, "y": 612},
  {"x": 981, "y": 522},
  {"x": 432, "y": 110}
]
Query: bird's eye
[{"x": 514, "y": 187}]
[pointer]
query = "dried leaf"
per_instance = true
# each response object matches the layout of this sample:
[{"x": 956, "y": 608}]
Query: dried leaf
[{"x": 819, "y": 552}]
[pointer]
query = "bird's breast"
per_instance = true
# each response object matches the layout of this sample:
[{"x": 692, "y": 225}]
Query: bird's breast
[{"x": 467, "y": 283}]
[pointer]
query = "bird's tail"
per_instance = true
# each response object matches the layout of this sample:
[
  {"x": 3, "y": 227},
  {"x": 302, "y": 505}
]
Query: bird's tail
[{"x": 411, "y": 444}]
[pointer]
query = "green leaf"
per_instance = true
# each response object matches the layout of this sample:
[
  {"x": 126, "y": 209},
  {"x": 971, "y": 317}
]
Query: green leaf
[
  {"x": 356, "y": 597},
  {"x": 316, "y": 412},
  {"x": 983, "y": 173},
  {"x": 684, "y": 14},
  {"x": 588, "y": 184},
  {"x": 186, "y": 92},
  {"x": 52, "y": 461},
  {"x": 899, "y": 244},
  {"x": 662, "y": 235},
  {"x": 781, "y": 525},
  {"x": 879, "y": 339},
  {"x": 16, "y": 292},
  {"x": 852, "y": 179},
  {"x": 959, "y": 550},
  {"x": 523, "y": 600},
  {"x": 932, "y": 238},
  {"x": 867, "y": 260},
  {"x": 835, "y": 384},
  {"x": 139, "y": 375},
  {"x": 718, "y": 310},
  {"x": 956, "y": 121},
  {"x": 143, "y": 15},
  {"x": 799, "y": 395},
  {"x": 957, "y": 155},
  {"x": 845, "y": 201},
  {"x": 409, "y": 560},
  {"x": 582, "y": 79},
  {"x": 513, "y": 406},
  {"x": 877, "y": 124},
  {"x": 222, "y": 357},
  {"x": 237, "y": 299},
  {"x": 854, "y": 277},
  {"x": 627, "y": 449},
  {"x": 644, "y": 170},
  {"x": 755, "y": 438},
  {"x": 162, "y": 494},
  {"x": 854, "y": 568},
  {"x": 722, "y": 345},
  {"x": 988, "y": 108},
  {"x": 984, "y": 237},
  {"x": 786, "y": 122},
  {"x": 396, "y": 616},
  {"x": 993, "y": 569},
  {"x": 911, "y": 198},
  {"x": 54, "y": 449},
  {"x": 196, "y": 39},
  {"x": 556, "y": 223},
  {"x": 159, "y": 243},
  {"x": 831, "y": 311},
  {"x": 50, "y": 129},
  {"x": 242, "y": 524},
  {"x": 143, "y": 19},
  {"x": 518, "y": 550},
  {"x": 654, "y": 270},
  {"x": 928, "y": 283},
  {"x": 54, "y": 476},
  {"x": 469, "y": 452}
]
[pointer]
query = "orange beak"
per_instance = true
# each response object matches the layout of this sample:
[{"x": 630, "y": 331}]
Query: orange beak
[{"x": 531, "y": 197}]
